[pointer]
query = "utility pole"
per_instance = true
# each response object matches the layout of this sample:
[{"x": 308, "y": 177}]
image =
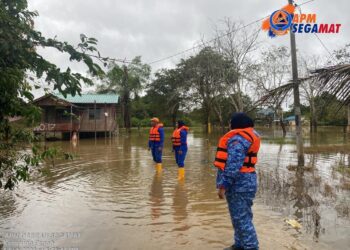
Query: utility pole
[
  {"x": 348, "y": 128},
  {"x": 95, "y": 119},
  {"x": 297, "y": 110},
  {"x": 126, "y": 100}
]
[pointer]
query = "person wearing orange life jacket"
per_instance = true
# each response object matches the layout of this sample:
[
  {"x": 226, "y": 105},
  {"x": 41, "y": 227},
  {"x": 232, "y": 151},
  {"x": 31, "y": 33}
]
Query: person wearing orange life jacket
[
  {"x": 156, "y": 142},
  {"x": 235, "y": 159},
  {"x": 179, "y": 140}
]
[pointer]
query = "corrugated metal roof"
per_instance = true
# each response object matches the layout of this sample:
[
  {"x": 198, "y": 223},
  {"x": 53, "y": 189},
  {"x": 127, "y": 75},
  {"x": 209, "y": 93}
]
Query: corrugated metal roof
[
  {"x": 90, "y": 98},
  {"x": 290, "y": 118},
  {"x": 266, "y": 111}
]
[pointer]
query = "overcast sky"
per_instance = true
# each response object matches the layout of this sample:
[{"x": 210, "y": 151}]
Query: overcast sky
[{"x": 156, "y": 29}]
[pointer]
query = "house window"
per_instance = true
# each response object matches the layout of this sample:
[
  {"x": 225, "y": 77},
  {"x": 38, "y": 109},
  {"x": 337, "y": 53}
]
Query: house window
[
  {"x": 62, "y": 115},
  {"x": 92, "y": 114}
]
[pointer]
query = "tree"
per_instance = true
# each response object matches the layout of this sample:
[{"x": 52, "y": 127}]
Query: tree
[
  {"x": 330, "y": 82},
  {"x": 270, "y": 73},
  {"x": 330, "y": 110},
  {"x": 343, "y": 56},
  {"x": 310, "y": 88},
  {"x": 336, "y": 79},
  {"x": 169, "y": 88},
  {"x": 18, "y": 59},
  {"x": 236, "y": 44},
  {"x": 127, "y": 81},
  {"x": 203, "y": 73}
]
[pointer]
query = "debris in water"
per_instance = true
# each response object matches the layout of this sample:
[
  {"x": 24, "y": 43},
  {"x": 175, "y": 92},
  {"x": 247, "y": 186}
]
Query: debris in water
[{"x": 295, "y": 224}]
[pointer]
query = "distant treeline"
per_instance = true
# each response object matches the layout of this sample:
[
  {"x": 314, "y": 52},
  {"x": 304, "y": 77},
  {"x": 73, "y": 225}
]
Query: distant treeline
[{"x": 206, "y": 88}]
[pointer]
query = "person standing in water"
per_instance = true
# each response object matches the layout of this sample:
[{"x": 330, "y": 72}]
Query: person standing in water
[
  {"x": 179, "y": 140},
  {"x": 235, "y": 159},
  {"x": 74, "y": 138},
  {"x": 156, "y": 142}
]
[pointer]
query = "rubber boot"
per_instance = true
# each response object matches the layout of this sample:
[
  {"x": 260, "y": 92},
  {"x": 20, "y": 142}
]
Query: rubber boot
[
  {"x": 233, "y": 247},
  {"x": 181, "y": 174},
  {"x": 159, "y": 167}
]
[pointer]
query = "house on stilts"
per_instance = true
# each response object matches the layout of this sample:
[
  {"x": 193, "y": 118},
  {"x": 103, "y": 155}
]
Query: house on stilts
[{"x": 89, "y": 115}]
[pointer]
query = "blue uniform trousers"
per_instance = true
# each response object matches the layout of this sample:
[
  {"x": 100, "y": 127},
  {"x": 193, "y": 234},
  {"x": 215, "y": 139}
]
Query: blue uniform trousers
[
  {"x": 180, "y": 158},
  {"x": 240, "y": 206},
  {"x": 156, "y": 153}
]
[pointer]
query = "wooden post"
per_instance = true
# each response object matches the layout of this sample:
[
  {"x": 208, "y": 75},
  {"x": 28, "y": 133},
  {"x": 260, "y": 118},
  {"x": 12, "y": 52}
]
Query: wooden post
[
  {"x": 95, "y": 118},
  {"x": 45, "y": 124},
  {"x": 105, "y": 114},
  {"x": 45, "y": 133},
  {"x": 71, "y": 121},
  {"x": 80, "y": 117},
  {"x": 348, "y": 128},
  {"x": 54, "y": 131},
  {"x": 115, "y": 121}
]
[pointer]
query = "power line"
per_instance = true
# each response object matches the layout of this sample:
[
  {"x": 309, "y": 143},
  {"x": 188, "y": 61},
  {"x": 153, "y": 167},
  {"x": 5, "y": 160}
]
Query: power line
[
  {"x": 125, "y": 61},
  {"x": 322, "y": 43},
  {"x": 207, "y": 42},
  {"x": 215, "y": 38},
  {"x": 305, "y": 3},
  {"x": 325, "y": 47}
]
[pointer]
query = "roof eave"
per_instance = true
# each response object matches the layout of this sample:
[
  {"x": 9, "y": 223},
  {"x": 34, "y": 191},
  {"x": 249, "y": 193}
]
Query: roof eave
[{"x": 67, "y": 103}]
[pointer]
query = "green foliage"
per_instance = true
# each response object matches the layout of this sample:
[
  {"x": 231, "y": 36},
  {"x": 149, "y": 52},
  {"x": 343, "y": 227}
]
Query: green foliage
[
  {"x": 204, "y": 74},
  {"x": 135, "y": 122},
  {"x": 193, "y": 91},
  {"x": 168, "y": 94},
  {"x": 331, "y": 112},
  {"x": 20, "y": 61},
  {"x": 127, "y": 81},
  {"x": 187, "y": 120}
]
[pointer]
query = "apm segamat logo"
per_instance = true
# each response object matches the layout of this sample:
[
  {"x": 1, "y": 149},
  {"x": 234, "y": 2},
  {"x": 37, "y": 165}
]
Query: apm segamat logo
[{"x": 281, "y": 21}]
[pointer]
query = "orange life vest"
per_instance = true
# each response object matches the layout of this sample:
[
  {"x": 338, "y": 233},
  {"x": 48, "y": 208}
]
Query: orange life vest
[
  {"x": 176, "y": 138},
  {"x": 251, "y": 158},
  {"x": 154, "y": 133}
]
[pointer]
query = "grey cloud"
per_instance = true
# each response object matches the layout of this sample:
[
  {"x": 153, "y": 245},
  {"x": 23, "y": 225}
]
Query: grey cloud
[{"x": 157, "y": 28}]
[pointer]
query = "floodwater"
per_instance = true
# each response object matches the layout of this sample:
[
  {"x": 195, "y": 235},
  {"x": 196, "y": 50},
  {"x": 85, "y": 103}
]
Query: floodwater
[{"x": 109, "y": 197}]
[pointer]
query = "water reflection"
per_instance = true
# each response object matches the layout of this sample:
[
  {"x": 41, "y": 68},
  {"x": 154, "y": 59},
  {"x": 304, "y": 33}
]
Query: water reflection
[
  {"x": 111, "y": 193},
  {"x": 156, "y": 195},
  {"x": 310, "y": 194},
  {"x": 180, "y": 201}
]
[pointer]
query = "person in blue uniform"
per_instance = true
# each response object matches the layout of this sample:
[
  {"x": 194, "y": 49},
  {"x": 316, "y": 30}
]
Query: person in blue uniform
[
  {"x": 236, "y": 178},
  {"x": 156, "y": 142},
  {"x": 179, "y": 140}
]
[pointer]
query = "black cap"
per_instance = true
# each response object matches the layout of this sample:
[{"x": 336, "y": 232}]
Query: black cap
[
  {"x": 241, "y": 120},
  {"x": 180, "y": 123}
]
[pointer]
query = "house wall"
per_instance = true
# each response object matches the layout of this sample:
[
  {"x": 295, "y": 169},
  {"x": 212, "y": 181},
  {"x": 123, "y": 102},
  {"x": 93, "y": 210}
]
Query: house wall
[{"x": 108, "y": 123}]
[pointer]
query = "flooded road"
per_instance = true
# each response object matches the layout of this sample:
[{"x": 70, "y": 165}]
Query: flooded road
[{"x": 109, "y": 197}]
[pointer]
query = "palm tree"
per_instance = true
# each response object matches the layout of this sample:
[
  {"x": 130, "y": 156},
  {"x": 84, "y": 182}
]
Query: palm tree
[
  {"x": 127, "y": 81},
  {"x": 336, "y": 81}
]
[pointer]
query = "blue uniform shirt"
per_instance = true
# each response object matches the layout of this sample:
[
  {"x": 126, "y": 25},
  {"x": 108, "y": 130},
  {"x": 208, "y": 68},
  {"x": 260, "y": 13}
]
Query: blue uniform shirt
[
  {"x": 183, "y": 135},
  {"x": 231, "y": 178}
]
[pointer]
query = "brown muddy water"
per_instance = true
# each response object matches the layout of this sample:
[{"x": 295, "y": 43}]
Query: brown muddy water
[{"x": 109, "y": 197}]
